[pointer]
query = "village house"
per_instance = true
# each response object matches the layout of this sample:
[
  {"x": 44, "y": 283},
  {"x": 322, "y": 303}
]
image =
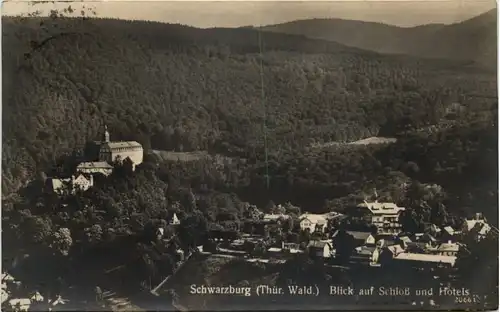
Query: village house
[
  {"x": 366, "y": 254},
  {"x": 404, "y": 239},
  {"x": 72, "y": 184},
  {"x": 394, "y": 256},
  {"x": 274, "y": 217},
  {"x": 434, "y": 230},
  {"x": 446, "y": 249},
  {"x": 425, "y": 238},
  {"x": 448, "y": 233},
  {"x": 362, "y": 238},
  {"x": 480, "y": 230},
  {"x": 385, "y": 216},
  {"x": 320, "y": 249},
  {"x": 313, "y": 222},
  {"x": 388, "y": 253},
  {"x": 476, "y": 226},
  {"x": 94, "y": 167},
  {"x": 287, "y": 251},
  {"x": 425, "y": 261},
  {"x": 385, "y": 242}
]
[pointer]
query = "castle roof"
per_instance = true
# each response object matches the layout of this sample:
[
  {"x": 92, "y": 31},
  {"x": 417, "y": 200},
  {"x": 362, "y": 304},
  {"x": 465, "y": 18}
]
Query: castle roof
[
  {"x": 94, "y": 165},
  {"x": 381, "y": 208},
  {"x": 122, "y": 144}
]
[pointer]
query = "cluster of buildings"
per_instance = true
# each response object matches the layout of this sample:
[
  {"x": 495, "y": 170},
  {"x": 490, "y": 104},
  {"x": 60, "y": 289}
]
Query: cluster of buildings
[
  {"x": 384, "y": 245},
  {"x": 436, "y": 247},
  {"x": 14, "y": 297},
  {"x": 109, "y": 153}
]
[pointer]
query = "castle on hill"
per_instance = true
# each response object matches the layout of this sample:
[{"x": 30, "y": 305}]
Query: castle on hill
[
  {"x": 118, "y": 151},
  {"x": 100, "y": 159}
]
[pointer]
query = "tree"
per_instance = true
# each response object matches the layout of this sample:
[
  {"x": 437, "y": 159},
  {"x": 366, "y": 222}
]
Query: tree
[
  {"x": 38, "y": 230},
  {"x": 62, "y": 241},
  {"x": 477, "y": 263},
  {"x": 94, "y": 234}
]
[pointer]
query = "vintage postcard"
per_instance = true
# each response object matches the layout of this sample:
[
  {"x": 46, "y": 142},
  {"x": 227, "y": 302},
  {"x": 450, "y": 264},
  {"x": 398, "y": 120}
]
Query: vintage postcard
[{"x": 249, "y": 155}]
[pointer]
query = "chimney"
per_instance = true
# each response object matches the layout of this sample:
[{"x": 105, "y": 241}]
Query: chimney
[{"x": 479, "y": 216}]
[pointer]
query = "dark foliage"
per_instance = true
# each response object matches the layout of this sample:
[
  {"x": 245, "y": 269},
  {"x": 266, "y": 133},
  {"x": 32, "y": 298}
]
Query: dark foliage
[{"x": 182, "y": 89}]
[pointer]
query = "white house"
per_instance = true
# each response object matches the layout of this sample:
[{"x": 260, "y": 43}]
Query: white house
[
  {"x": 313, "y": 222},
  {"x": 72, "y": 184},
  {"x": 385, "y": 216}
]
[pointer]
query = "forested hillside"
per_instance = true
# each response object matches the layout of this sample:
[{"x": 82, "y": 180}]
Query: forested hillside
[
  {"x": 175, "y": 87},
  {"x": 472, "y": 40}
]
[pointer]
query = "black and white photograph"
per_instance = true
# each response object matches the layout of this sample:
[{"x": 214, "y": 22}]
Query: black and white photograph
[{"x": 249, "y": 155}]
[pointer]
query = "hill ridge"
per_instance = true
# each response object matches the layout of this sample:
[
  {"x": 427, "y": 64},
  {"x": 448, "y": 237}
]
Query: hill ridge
[{"x": 473, "y": 39}]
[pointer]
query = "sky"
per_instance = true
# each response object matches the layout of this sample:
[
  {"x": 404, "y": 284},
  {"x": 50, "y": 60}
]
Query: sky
[{"x": 205, "y": 14}]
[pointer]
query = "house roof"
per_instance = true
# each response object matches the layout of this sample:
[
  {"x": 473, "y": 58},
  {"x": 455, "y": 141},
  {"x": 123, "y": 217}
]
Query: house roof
[
  {"x": 425, "y": 236},
  {"x": 314, "y": 218},
  {"x": 274, "y": 249},
  {"x": 94, "y": 165},
  {"x": 426, "y": 258},
  {"x": 449, "y": 229},
  {"x": 395, "y": 249},
  {"x": 484, "y": 229},
  {"x": 59, "y": 183},
  {"x": 385, "y": 242},
  {"x": 365, "y": 250},
  {"x": 359, "y": 235},
  {"x": 435, "y": 228},
  {"x": 272, "y": 217},
  {"x": 7, "y": 277},
  {"x": 405, "y": 239},
  {"x": 381, "y": 208},
  {"x": 419, "y": 245},
  {"x": 448, "y": 247},
  {"x": 472, "y": 223},
  {"x": 317, "y": 244}
]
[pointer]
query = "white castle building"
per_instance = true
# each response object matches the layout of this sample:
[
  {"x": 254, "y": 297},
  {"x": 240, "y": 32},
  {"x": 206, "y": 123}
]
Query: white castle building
[{"x": 119, "y": 151}]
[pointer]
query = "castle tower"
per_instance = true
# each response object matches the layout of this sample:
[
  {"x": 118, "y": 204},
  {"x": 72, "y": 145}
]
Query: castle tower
[{"x": 106, "y": 134}]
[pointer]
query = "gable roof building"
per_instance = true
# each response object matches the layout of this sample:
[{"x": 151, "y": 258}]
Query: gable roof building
[
  {"x": 322, "y": 249},
  {"x": 363, "y": 238},
  {"x": 95, "y": 167},
  {"x": 174, "y": 220},
  {"x": 426, "y": 259},
  {"x": 60, "y": 185},
  {"x": 313, "y": 221},
  {"x": 381, "y": 208},
  {"x": 385, "y": 216},
  {"x": 110, "y": 151}
]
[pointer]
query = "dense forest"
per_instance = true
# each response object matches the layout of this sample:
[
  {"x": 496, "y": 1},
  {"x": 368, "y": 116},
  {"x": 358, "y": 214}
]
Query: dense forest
[{"x": 177, "y": 88}]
